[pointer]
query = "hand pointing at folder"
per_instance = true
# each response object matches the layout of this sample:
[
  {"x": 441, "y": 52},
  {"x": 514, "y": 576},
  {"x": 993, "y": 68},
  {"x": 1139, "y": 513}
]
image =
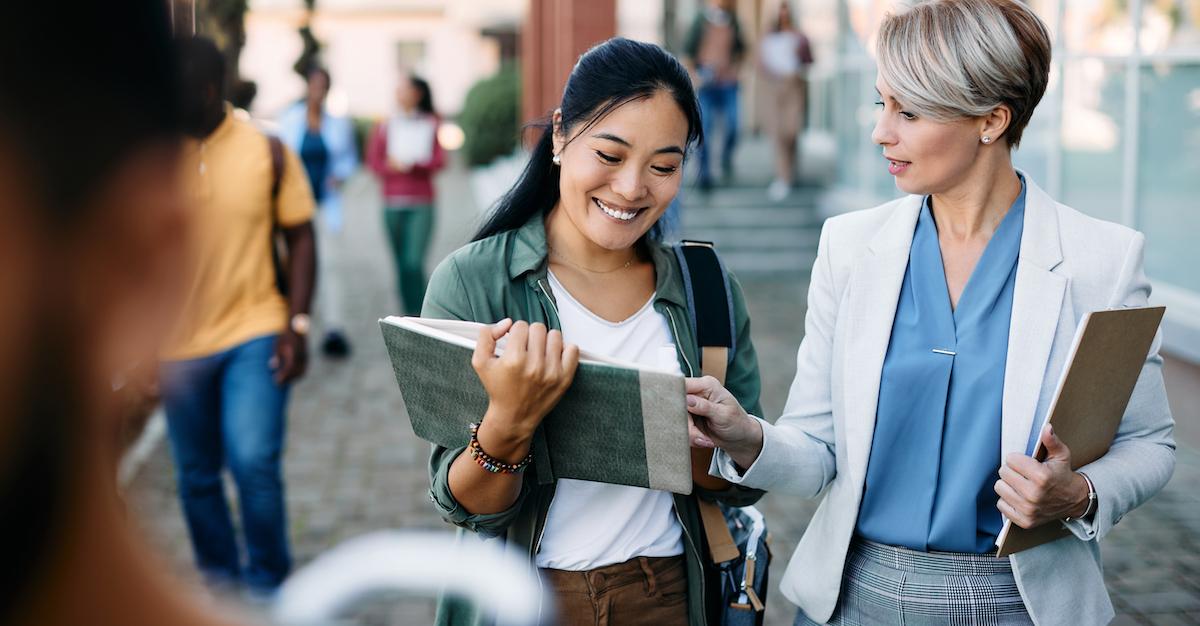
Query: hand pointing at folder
[{"x": 1033, "y": 493}]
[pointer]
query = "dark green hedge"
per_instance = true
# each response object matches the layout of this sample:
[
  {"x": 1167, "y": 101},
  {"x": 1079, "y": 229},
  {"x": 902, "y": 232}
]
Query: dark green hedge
[
  {"x": 362, "y": 134},
  {"x": 490, "y": 117}
]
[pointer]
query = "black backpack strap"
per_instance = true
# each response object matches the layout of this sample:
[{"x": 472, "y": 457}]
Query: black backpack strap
[
  {"x": 710, "y": 305},
  {"x": 278, "y": 246},
  {"x": 710, "y": 309},
  {"x": 276, "y": 167}
]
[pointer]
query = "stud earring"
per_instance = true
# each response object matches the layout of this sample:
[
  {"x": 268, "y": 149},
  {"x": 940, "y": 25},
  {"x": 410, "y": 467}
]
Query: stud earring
[
  {"x": 987, "y": 139},
  {"x": 557, "y": 160}
]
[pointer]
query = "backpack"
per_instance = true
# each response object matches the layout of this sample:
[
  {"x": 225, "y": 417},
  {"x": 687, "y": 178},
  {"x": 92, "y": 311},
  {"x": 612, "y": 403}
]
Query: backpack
[
  {"x": 279, "y": 251},
  {"x": 737, "y": 537}
]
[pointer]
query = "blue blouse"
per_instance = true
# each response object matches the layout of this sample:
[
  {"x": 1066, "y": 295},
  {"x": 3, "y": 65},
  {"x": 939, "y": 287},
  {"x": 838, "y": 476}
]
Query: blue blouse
[
  {"x": 935, "y": 455},
  {"x": 315, "y": 157}
]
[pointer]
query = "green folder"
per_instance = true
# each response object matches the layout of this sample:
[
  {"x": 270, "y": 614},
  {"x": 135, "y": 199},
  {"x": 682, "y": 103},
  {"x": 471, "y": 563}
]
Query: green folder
[{"x": 618, "y": 423}]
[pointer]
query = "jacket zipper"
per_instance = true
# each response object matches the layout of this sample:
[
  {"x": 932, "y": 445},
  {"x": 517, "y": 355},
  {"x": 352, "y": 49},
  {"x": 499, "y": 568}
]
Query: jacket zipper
[
  {"x": 691, "y": 541},
  {"x": 678, "y": 345},
  {"x": 549, "y": 298},
  {"x": 537, "y": 542}
]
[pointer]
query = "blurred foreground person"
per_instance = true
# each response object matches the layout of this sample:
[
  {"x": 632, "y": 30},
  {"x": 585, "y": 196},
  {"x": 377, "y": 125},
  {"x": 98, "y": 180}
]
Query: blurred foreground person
[
  {"x": 325, "y": 143},
  {"x": 227, "y": 369},
  {"x": 405, "y": 153},
  {"x": 90, "y": 260},
  {"x": 783, "y": 57}
]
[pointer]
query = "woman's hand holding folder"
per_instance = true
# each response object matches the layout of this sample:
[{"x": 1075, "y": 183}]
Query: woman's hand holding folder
[
  {"x": 523, "y": 384},
  {"x": 716, "y": 420},
  {"x": 527, "y": 380},
  {"x": 1033, "y": 493}
]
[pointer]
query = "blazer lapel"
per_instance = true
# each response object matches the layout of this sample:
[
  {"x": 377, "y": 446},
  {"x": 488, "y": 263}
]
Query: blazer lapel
[
  {"x": 874, "y": 294},
  {"x": 1036, "y": 310}
]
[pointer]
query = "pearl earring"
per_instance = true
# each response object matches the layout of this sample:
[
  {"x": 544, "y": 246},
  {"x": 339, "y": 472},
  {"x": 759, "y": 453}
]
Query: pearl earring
[
  {"x": 987, "y": 139},
  {"x": 557, "y": 160}
]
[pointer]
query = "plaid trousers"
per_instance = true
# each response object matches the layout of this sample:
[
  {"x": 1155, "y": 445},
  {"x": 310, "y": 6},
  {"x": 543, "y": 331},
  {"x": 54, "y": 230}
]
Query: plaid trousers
[{"x": 886, "y": 585}]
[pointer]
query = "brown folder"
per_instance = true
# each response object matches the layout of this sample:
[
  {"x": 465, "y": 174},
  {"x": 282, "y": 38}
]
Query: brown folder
[{"x": 1107, "y": 356}]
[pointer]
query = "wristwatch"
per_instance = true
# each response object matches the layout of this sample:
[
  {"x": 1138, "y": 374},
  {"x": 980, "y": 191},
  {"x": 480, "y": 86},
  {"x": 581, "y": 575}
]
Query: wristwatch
[
  {"x": 1091, "y": 507},
  {"x": 300, "y": 324}
]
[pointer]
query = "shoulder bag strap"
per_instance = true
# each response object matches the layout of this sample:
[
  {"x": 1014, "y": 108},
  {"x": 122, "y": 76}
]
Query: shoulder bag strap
[
  {"x": 710, "y": 307},
  {"x": 278, "y": 245}
]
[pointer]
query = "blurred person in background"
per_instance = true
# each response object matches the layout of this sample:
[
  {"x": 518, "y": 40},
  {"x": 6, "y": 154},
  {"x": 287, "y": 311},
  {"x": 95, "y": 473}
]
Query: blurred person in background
[
  {"x": 713, "y": 54},
  {"x": 784, "y": 55},
  {"x": 325, "y": 143},
  {"x": 405, "y": 153},
  {"x": 91, "y": 259},
  {"x": 240, "y": 344},
  {"x": 570, "y": 258},
  {"x": 937, "y": 328}
]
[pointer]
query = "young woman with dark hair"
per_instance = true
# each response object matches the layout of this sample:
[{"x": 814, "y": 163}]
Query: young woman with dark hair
[
  {"x": 570, "y": 258},
  {"x": 405, "y": 153}
]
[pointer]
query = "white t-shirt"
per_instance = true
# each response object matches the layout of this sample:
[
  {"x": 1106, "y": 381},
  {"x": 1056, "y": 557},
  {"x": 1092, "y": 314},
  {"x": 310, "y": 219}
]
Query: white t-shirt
[
  {"x": 780, "y": 53},
  {"x": 591, "y": 524}
]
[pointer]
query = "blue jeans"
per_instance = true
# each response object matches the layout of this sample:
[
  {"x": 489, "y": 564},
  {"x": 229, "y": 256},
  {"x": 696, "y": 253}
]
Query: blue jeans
[
  {"x": 226, "y": 409},
  {"x": 718, "y": 101}
]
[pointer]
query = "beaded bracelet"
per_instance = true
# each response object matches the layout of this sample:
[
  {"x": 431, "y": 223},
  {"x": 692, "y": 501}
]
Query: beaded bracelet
[{"x": 490, "y": 463}]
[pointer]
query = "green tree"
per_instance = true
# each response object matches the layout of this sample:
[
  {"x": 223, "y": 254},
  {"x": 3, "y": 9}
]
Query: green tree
[{"x": 490, "y": 116}]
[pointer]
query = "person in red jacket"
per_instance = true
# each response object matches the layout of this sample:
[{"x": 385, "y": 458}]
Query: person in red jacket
[{"x": 405, "y": 153}]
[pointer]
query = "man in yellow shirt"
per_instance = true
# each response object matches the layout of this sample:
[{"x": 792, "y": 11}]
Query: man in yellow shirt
[{"x": 226, "y": 373}]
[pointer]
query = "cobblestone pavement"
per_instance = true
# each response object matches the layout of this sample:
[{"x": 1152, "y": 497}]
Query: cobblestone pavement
[{"x": 352, "y": 464}]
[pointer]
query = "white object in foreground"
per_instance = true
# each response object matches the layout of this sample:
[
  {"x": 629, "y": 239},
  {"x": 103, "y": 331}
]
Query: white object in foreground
[{"x": 500, "y": 582}]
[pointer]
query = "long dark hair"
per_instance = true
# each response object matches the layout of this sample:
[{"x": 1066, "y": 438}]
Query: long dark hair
[
  {"x": 609, "y": 75},
  {"x": 425, "y": 102}
]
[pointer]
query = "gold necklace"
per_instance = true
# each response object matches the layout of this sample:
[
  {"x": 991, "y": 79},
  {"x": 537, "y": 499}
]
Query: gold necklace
[{"x": 588, "y": 269}]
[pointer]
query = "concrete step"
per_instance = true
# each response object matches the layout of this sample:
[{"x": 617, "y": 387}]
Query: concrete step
[
  {"x": 753, "y": 217},
  {"x": 747, "y": 193},
  {"x": 770, "y": 262},
  {"x": 767, "y": 238},
  {"x": 756, "y": 237}
]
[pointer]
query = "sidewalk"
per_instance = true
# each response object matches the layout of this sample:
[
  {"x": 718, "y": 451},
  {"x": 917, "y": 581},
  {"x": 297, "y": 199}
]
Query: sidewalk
[{"x": 353, "y": 465}]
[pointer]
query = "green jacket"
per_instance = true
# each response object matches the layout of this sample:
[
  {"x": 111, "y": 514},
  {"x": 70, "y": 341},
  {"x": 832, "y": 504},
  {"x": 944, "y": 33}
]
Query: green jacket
[{"x": 505, "y": 276}]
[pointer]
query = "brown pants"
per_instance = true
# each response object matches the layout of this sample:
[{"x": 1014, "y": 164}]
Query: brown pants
[{"x": 643, "y": 590}]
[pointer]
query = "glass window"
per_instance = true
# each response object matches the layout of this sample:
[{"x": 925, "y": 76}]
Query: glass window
[
  {"x": 1169, "y": 161},
  {"x": 1097, "y": 27},
  {"x": 1038, "y": 141},
  {"x": 864, "y": 17},
  {"x": 847, "y": 127},
  {"x": 1048, "y": 11},
  {"x": 1092, "y": 136},
  {"x": 819, "y": 21},
  {"x": 1170, "y": 26},
  {"x": 410, "y": 55}
]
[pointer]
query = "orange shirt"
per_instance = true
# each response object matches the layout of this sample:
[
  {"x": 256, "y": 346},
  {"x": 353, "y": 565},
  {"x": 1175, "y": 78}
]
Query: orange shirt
[{"x": 231, "y": 293}]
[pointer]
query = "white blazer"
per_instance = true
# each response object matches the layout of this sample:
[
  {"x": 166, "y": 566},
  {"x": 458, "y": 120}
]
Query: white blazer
[{"x": 1069, "y": 264}]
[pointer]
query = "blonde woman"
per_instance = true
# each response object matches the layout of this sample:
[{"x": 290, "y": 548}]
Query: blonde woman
[{"x": 937, "y": 327}]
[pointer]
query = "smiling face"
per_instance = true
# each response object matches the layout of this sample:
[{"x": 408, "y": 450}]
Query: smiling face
[
  {"x": 619, "y": 175},
  {"x": 925, "y": 156}
]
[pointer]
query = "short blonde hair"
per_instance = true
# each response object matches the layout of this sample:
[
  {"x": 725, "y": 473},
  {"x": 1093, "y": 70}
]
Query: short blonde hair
[{"x": 951, "y": 59}]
